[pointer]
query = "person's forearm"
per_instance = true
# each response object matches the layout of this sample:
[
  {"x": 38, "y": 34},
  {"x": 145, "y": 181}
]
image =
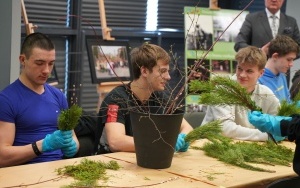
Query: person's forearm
[
  {"x": 296, "y": 160},
  {"x": 291, "y": 128},
  {"x": 284, "y": 126},
  {"x": 125, "y": 144},
  {"x": 233, "y": 130},
  {"x": 15, "y": 155},
  {"x": 185, "y": 127}
]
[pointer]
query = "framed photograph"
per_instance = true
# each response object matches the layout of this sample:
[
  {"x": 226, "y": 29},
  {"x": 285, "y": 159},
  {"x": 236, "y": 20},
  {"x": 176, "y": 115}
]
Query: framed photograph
[
  {"x": 53, "y": 78},
  {"x": 109, "y": 60}
]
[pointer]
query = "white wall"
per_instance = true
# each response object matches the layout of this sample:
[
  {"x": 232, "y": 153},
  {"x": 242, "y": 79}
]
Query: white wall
[{"x": 292, "y": 9}]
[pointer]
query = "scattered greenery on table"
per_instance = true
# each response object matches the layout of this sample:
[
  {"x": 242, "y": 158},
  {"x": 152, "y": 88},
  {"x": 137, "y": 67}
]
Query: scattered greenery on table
[
  {"x": 241, "y": 154},
  {"x": 88, "y": 172},
  {"x": 68, "y": 119}
]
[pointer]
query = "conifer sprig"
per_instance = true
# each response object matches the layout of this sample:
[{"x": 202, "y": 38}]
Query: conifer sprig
[
  {"x": 242, "y": 154},
  {"x": 222, "y": 90},
  {"x": 68, "y": 119},
  {"x": 212, "y": 130},
  {"x": 288, "y": 109}
]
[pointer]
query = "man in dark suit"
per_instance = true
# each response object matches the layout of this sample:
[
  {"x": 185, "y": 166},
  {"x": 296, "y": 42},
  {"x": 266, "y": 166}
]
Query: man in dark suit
[{"x": 257, "y": 27}]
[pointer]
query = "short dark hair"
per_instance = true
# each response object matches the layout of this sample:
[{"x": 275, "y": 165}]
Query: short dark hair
[
  {"x": 282, "y": 44},
  {"x": 147, "y": 56},
  {"x": 34, "y": 40}
]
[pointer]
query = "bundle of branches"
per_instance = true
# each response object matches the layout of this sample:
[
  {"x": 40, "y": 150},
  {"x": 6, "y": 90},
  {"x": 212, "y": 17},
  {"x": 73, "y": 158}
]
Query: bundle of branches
[
  {"x": 88, "y": 172},
  {"x": 68, "y": 119},
  {"x": 222, "y": 90},
  {"x": 239, "y": 154}
]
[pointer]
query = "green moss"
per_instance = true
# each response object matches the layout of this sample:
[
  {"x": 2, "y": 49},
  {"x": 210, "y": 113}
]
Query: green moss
[
  {"x": 88, "y": 172},
  {"x": 68, "y": 119}
]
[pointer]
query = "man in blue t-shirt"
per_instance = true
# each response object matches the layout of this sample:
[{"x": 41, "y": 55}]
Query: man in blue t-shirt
[
  {"x": 281, "y": 53},
  {"x": 29, "y": 109}
]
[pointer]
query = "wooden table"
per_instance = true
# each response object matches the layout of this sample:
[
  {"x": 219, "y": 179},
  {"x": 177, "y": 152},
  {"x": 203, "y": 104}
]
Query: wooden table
[{"x": 190, "y": 169}]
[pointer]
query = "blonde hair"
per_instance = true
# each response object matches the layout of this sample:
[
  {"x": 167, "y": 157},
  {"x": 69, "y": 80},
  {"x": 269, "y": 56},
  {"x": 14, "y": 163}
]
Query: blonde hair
[{"x": 251, "y": 55}]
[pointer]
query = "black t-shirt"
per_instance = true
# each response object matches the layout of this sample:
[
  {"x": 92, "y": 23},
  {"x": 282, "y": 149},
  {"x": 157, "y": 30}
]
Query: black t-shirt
[{"x": 117, "y": 105}]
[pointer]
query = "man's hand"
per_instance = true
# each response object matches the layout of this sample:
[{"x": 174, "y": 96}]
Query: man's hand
[
  {"x": 278, "y": 138},
  {"x": 71, "y": 150},
  {"x": 266, "y": 123},
  {"x": 57, "y": 140},
  {"x": 181, "y": 145},
  {"x": 265, "y": 48}
]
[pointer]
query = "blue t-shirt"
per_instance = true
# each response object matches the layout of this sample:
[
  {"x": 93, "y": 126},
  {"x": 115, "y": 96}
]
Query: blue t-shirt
[
  {"x": 277, "y": 83},
  {"x": 34, "y": 115}
]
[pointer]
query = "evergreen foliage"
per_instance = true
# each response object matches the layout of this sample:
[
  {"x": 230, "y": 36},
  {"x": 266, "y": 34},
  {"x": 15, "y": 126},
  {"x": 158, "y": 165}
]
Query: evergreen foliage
[
  {"x": 240, "y": 154},
  {"x": 288, "y": 109},
  {"x": 88, "y": 172},
  {"x": 222, "y": 90},
  {"x": 297, "y": 97},
  {"x": 68, "y": 119},
  {"x": 212, "y": 130}
]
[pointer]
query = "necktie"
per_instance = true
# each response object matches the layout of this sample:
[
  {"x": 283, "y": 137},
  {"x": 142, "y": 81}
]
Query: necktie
[{"x": 274, "y": 26}]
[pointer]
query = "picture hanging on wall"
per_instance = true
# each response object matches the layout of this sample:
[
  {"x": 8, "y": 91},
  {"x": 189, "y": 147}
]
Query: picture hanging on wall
[{"x": 109, "y": 60}]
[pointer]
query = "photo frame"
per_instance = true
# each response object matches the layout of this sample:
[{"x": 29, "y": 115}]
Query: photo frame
[{"x": 109, "y": 60}]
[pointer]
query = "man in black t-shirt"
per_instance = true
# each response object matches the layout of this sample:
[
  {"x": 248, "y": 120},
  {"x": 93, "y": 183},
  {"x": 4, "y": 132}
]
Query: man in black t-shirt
[{"x": 150, "y": 64}]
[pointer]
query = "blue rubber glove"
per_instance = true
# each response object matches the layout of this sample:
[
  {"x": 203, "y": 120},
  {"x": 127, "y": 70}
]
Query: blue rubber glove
[
  {"x": 57, "y": 140},
  {"x": 278, "y": 138},
  {"x": 71, "y": 150},
  {"x": 266, "y": 123},
  {"x": 298, "y": 104},
  {"x": 181, "y": 145}
]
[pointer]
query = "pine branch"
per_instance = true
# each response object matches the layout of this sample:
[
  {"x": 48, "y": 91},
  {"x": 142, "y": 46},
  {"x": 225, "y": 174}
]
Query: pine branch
[
  {"x": 242, "y": 154},
  {"x": 211, "y": 131},
  {"x": 222, "y": 90},
  {"x": 288, "y": 109}
]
